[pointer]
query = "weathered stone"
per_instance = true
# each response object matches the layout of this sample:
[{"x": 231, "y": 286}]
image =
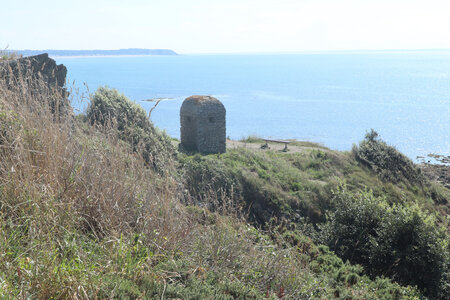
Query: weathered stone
[
  {"x": 203, "y": 125},
  {"x": 40, "y": 66},
  {"x": 37, "y": 72}
]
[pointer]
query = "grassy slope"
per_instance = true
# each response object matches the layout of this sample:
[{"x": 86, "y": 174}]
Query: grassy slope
[
  {"x": 82, "y": 215},
  {"x": 302, "y": 194},
  {"x": 299, "y": 183}
]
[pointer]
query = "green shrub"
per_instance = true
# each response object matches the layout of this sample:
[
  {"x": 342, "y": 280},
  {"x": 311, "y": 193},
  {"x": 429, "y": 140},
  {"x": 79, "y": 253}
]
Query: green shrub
[
  {"x": 111, "y": 109},
  {"x": 386, "y": 161},
  {"x": 400, "y": 242}
]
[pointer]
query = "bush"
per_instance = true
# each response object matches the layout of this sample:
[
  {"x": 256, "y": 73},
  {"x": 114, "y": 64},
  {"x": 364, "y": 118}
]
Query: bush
[
  {"x": 386, "y": 161},
  {"x": 399, "y": 242},
  {"x": 111, "y": 109}
]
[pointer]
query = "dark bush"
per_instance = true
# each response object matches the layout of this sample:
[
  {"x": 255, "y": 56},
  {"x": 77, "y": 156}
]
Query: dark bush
[
  {"x": 386, "y": 161},
  {"x": 111, "y": 109},
  {"x": 399, "y": 242}
]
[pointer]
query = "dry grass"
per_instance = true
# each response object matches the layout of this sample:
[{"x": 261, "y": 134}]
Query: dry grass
[
  {"x": 56, "y": 180},
  {"x": 8, "y": 55}
]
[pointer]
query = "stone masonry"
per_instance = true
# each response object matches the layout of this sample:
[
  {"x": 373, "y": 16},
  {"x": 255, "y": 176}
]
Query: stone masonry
[{"x": 203, "y": 125}]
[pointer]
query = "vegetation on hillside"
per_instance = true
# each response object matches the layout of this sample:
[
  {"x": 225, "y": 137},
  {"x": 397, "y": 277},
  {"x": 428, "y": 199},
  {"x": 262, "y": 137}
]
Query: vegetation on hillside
[
  {"x": 393, "y": 229},
  {"x": 386, "y": 161},
  {"x": 110, "y": 109},
  {"x": 398, "y": 241},
  {"x": 102, "y": 206}
]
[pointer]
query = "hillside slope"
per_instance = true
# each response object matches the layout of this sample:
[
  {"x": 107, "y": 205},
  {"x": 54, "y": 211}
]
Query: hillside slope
[{"x": 89, "y": 211}]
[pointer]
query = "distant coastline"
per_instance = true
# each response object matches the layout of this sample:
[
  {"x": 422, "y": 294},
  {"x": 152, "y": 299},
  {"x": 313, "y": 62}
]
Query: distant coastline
[
  {"x": 78, "y": 53},
  {"x": 103, "y": 55}
]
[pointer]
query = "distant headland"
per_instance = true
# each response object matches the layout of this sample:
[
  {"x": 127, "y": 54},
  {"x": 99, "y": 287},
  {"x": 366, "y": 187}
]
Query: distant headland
[{"x": 130, "y": 51}]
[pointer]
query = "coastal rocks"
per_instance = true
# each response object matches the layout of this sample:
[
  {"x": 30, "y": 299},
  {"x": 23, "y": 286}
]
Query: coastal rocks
[
  {"x": 439, "y": 171},
  {"x": 40, "y": 66},
  {"x": 203, "y": 125},
  {"x": 35, "y": 73}
]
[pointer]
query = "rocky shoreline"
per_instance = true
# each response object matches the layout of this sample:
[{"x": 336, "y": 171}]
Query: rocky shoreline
[{"x": 439, "y": 172}]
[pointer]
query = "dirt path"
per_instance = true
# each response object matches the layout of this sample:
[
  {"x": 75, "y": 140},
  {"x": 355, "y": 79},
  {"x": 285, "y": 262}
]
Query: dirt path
[
  {"x": 278, "y": 147},
  {"x": 231, "y": 144}
]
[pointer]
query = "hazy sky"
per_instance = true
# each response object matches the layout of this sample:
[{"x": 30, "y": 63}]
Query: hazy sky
[{"x": 211, "y": 26}]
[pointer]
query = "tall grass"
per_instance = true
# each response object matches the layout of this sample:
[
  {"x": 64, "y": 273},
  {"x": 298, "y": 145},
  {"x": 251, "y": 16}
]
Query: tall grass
[
  {"x": 56, "y": 181},
  {"x": 5, "y": 54}
]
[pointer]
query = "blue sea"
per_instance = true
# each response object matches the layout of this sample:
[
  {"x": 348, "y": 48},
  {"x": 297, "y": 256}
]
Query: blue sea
[{"x": 329, "y": 98}]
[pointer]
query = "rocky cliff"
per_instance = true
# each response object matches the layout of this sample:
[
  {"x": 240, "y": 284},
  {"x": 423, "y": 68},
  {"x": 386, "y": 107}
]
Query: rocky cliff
[
  {"x": 40, "y": 66},
  {"x": 35, "y": 73}
]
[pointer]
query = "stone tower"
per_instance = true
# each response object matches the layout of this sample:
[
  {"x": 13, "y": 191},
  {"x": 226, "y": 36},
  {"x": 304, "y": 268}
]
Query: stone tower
[{"x": 203, "y": 126}]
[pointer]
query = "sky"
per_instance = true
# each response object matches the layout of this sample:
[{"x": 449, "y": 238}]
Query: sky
[{"x": 226, "y": 26}]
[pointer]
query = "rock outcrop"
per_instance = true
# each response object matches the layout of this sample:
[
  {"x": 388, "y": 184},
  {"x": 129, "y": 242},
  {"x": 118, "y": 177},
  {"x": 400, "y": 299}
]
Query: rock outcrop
[
  {"x": 36, "y": 73},
  {"x": 40, "y": 66}
]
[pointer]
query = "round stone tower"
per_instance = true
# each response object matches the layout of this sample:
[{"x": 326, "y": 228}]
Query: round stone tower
[{"x": 203, "y": 126}]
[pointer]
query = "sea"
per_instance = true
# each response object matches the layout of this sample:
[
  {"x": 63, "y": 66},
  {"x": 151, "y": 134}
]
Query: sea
[{"x": 332, "y": 98}]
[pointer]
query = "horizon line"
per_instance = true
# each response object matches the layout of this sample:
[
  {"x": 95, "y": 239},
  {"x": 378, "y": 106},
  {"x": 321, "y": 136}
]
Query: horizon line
[
  {"x": 250, "y": 52},
  {"x": 319, "y": 51}
]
